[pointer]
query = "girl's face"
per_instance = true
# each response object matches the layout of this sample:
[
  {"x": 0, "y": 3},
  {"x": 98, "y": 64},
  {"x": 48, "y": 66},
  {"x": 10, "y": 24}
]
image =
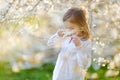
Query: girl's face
[{"x": 72, "y": 27}]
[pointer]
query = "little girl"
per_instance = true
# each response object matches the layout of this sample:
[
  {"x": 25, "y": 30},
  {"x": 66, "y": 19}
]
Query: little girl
[{"x": 75, "y": 56}]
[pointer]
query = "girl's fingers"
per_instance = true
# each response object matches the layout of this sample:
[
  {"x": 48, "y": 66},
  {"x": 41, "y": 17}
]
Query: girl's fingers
[{"x": 60, "y": 32}]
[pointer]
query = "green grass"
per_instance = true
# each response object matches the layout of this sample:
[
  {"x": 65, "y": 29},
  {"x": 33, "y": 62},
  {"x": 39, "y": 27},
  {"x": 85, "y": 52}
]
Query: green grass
[
  {"x": 43, "y": 72},
  {"x": 101, "y": 73}
]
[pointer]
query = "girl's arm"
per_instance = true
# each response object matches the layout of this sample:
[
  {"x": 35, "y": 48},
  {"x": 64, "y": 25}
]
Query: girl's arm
[
  {"x": 54, "y": 40},
  {"x": 84, "y": 55}
]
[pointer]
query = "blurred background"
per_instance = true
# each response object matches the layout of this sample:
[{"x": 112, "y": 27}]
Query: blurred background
[{"x": 26, "y": 25}]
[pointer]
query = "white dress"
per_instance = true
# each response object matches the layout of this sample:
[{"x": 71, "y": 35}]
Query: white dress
[{"x": 72, "y": 62}]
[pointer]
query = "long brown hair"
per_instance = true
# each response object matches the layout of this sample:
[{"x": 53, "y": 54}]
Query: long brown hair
[{"x": 78, "y": 16}]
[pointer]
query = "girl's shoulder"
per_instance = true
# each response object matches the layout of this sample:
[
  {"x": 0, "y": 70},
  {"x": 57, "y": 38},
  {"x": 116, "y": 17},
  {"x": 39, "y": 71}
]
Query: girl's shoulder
[{"x": 85, "y": 42}]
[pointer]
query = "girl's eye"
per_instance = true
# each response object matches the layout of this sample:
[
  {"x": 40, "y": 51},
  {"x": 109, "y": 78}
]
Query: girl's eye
[{"x": 71, "y": 28}]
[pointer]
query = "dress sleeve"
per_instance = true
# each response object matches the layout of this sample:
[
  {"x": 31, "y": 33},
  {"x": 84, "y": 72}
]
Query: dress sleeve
[
  {"x": 84, "y": 55},
  {"x": 54, "y": 40}
]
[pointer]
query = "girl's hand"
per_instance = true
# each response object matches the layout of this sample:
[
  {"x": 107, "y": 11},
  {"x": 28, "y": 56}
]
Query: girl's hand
[
  {"x": 76, "y": 40},
  {"x": 60, "y": 32}
]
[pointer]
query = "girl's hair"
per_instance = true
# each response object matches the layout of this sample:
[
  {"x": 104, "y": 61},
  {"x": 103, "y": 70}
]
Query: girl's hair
[{"x": 78, "y": 16}]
